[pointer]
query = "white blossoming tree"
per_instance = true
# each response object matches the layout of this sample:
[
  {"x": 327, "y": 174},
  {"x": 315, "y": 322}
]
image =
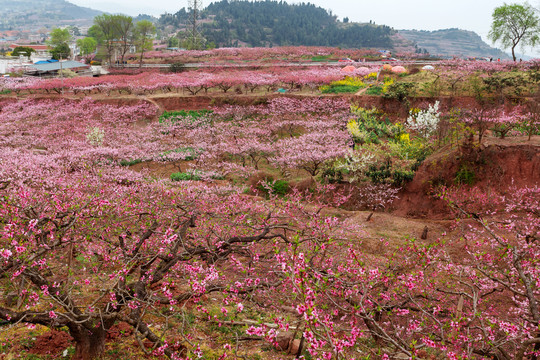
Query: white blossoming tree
[{"x": 425, "y": 122}]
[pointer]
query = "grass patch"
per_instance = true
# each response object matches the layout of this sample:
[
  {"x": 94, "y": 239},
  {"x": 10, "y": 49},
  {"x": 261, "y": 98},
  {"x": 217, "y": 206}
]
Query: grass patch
[
  {"x": 182, "y": 176},
  {"x": 339, "y": 89},
  {"x": 465, "y": 176},
  {"x": 130, "y": 162},
  {"x": 174, "y": 116},
  {"x": 277, "y": 187},
  {"x": 374, "y": 90},
  {"x": 320, "y": 58}
]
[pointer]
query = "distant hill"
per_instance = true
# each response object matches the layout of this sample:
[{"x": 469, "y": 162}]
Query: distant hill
[
  {"x": 273, "y": 23},
  {"x": 449, "y": 42},
  {"x": 28, "y": 14}
]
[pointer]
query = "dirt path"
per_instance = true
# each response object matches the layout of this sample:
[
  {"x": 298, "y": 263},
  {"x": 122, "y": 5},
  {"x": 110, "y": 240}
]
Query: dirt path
[
  {"x": 361, "y": 91},
  {"x": 159, "y": 105}
]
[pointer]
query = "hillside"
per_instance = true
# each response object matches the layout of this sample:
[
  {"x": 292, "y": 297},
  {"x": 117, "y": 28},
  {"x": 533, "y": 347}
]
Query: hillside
[
  {"x": 28, "y": 14},
  {"x": 272, "y": 23},
  {"x": 451, "y": 42}
]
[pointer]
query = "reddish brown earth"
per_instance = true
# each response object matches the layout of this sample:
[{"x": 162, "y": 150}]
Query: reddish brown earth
[
  {"x": 119, "y": 330},
  {"x": 51, "y": 343},
  {"x": 498, "y": 166},
  {"x": 396, "y": 108},
  {"x": 54, "y": 342},
  {"x": 180, "y": 101}
]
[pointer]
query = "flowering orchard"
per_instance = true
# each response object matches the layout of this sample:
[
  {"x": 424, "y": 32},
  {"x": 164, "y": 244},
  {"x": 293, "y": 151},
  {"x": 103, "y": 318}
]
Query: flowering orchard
[
  {"x": 190, "y": 83},
  {"x": 91, "y": 237},
  {"x": 86, "y": 242},
  {"x": 263, "y": 55}
]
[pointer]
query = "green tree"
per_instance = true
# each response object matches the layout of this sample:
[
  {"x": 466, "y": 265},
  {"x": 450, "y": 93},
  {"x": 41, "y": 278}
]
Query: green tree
[
  {"x": 61, "y": 51},
  {"x": 515, "y": 24},
  {"x": 75, "y": 31},
  {"x": 87, "y": 45},
  {"x": 144, "y": 31},
  {"x": 174, "y": 41},
  {"x": 125, "y": 29},
  {"x": 58, "y": 37},
  {"x": 106, "y": 30},
  {"x": 22, "y": 50},
  {"x": 96, "y": 33},
  {"x": 59, "y": 43}
]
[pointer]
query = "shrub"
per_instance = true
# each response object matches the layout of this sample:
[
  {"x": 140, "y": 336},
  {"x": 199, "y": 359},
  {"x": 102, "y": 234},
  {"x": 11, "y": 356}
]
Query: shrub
[
  {"x": 465, "y": 176},
  {"x": 379, "y": 174},
  {"x": 389, "y": 174},
  {"x": 177, "y": 67},
  {"x": 368, "y": 128},
  {"x": 371, "y": 76},
  {"x": 347, "y": 85},
  {"x": 332, "y": 174},
  {"x": 67, "y": 73},
  {"x": 425, "y": 122},
  {"x": 277, "y": 187},
  {"x": 95, "y": 136},
  {"x": 399, "y": 91},
  {"x": 402, "y": 176}
]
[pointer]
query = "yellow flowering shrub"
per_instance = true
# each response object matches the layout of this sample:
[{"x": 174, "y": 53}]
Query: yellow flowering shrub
[
  {"x": 324, "y": 88},
  {"x": 404, "y": 138},
  {"x": 414, "y": 111},
  {"x": 371, "y": 76},
  {"x": 365, "y": 113},
  {"x": 386, "y": 84},
  {"x": 349, "y": 81}
]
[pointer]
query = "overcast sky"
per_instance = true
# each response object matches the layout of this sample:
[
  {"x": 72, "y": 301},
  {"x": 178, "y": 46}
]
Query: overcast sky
[{"x": 472, "y": 15}]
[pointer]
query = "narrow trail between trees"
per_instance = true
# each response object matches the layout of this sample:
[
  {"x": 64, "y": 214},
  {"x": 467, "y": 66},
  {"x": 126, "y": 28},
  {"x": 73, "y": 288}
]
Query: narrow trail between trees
[
  {"x": 152, "y": 101},
  {"x": 361, "y": 91}
]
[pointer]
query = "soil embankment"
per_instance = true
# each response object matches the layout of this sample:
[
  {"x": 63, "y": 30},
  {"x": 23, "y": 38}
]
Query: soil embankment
[{"x": 497, "y": 167}]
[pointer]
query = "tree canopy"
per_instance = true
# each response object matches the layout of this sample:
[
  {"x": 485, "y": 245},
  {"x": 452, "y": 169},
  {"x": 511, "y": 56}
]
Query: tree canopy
[
  {"x": 515, "y": 24},
  {"x": 87, "y": 45},
  {"x": 273, "y": 23},
  {"x": 59, "y": 36},
  {"x": 61, "y": 51},
  {"x": 144, "y": 31},
  {"x": 59, "y": 43},
  {"x": 22, "y": 50}
]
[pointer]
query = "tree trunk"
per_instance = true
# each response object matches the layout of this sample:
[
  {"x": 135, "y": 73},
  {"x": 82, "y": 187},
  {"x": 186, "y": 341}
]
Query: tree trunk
[
  {"x": 141, "y": 59},
  {"x": 89, "y": 344}
]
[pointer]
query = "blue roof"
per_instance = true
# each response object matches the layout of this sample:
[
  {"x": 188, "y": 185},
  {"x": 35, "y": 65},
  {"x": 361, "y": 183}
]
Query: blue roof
[
  {"x": 58, "y": 65},
  {"x": 45, "y": 62}
]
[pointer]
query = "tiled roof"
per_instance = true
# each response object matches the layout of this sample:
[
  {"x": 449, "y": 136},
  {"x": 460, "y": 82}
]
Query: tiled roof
[{"x": 58, "y": 65}]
